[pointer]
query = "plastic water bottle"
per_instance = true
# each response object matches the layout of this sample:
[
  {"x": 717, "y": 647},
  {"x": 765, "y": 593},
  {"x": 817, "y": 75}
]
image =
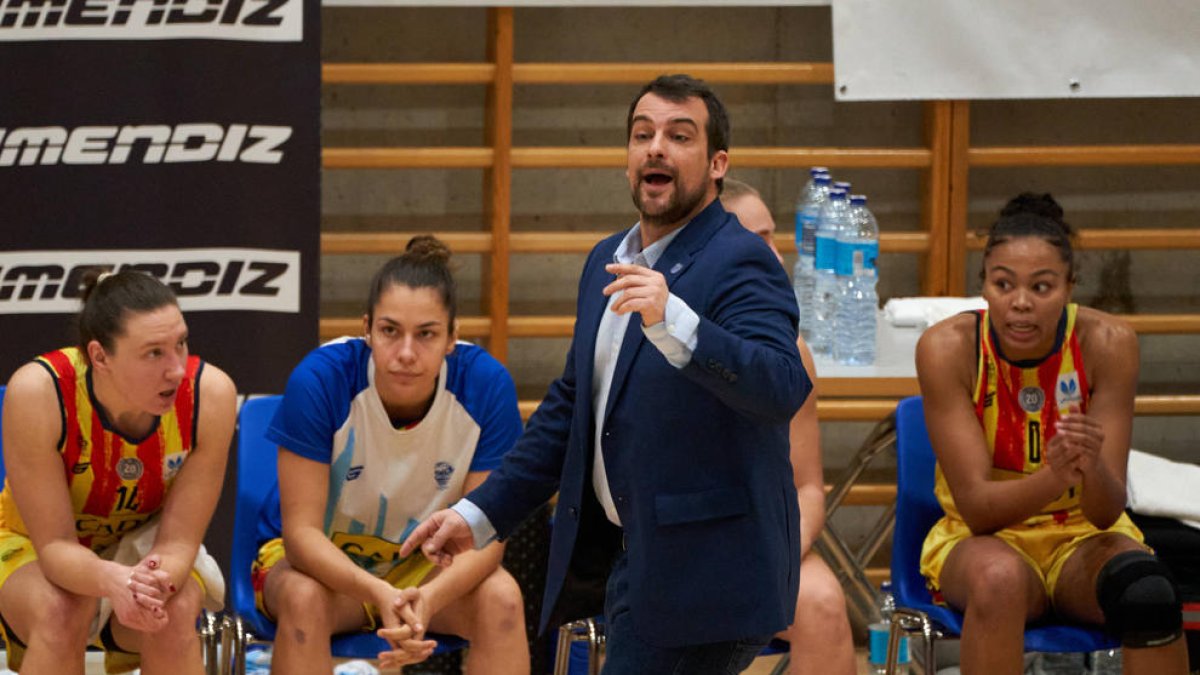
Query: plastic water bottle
[
  {"x": 824, "y": 302},
  {"x": 857, "y": 301},
  {"x": 808, "y": 209},
  {"x": 1105, "y": 662},
  {"x": 878, "y": 634}
]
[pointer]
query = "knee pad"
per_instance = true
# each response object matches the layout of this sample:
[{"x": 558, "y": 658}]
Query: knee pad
[{"x": 1137, "y": 594}]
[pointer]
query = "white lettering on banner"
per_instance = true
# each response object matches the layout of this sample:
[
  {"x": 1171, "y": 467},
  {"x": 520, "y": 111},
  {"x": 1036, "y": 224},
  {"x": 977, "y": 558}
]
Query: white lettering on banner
[
  {"x": 204, "y": 279},
  {"x": 241, "y": 20},
  {"x": 146, "y": 143}
]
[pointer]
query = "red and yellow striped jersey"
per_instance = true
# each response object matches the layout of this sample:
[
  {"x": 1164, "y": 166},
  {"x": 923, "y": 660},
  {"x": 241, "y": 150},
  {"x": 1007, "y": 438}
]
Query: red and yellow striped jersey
[
  {"x": 116, "y": 483},
  {"x": 1018, "y": 404}
]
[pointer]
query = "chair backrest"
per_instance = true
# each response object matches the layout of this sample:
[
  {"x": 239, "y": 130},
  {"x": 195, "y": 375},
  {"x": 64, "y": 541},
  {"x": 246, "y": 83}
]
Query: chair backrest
[
  {"x": 917, "y": 508},
  {"x": 256, "y": 475}
]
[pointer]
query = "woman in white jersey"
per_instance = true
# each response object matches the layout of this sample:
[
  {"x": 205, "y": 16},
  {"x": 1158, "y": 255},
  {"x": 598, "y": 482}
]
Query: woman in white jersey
[
  {"x": 374, "y": 434},
  {"x": 1029, "y": 406}
]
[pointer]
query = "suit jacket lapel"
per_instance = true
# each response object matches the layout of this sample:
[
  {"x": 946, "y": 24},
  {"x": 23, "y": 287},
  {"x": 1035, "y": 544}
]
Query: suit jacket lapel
[
  {"x": 592, "y": 304},
  {"x": 672, "y": 264}
]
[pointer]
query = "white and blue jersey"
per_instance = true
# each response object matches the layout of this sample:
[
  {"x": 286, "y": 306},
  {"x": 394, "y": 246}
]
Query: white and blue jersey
[{"x": 382, "y": 480}]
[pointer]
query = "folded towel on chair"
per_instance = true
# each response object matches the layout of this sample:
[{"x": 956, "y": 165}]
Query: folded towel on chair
[
  {"x": 926, "y": 311},
  {"x": 1160, "y": 487},
  {"x": 136, "y": 545}
]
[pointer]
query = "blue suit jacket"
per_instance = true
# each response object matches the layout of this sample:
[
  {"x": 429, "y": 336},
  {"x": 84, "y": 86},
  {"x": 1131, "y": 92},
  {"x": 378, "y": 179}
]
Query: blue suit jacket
[{"x": 697, "y": 458}]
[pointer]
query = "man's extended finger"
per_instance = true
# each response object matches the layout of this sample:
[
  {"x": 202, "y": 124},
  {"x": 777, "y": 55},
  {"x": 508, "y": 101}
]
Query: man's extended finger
[{"x": 420, "y": 534}]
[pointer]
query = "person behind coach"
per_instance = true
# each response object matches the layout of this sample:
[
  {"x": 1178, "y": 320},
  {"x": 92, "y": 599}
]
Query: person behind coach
[
  {"x": 682, "y": 442},
  {"x": 820, "y": 638},
  {"x": 122, "y": 438}
]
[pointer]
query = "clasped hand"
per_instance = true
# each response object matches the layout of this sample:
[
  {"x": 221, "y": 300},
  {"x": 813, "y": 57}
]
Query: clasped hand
[
  {"x": 141, "y": 594},
  {"x": 1075, "y": 448},
  {"x": 405, "y": 616}
]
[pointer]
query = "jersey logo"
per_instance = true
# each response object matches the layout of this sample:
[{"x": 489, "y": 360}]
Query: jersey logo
[
  {"x": 354, "y": 472},
  {"x": 172, "y": 463},
  {"x": 1068, "y": 390},
  {"x": 129, "y": 468},
  {"x": 1031, "y": 399},
  {"x": 374, "y": 554},
  {"x": 81, "y": 468},
  {"x": 989, "y": 399},
  {"x": 441, "y": 473}
]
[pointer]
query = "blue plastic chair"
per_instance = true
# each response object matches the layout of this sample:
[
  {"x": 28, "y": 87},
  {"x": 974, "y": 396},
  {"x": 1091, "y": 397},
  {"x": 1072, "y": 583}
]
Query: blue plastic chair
[
  {"x": 917, "y": 510},
  {"x": 257, "y": 473}
]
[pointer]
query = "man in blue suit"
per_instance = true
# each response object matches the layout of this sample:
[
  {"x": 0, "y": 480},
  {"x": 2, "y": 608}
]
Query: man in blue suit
[{"x": 667, "y": 434}]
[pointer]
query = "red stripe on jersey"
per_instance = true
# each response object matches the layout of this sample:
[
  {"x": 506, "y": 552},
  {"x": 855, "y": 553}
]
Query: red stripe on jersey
[
  {"x": 105, "y": 481},
  {"x": 1009, "y": 450},
  {"x": 185, "y": 402},
  {"x": 67, "y": 389},
  {"x": 1080, "y": 371},
  {"x": 150, "y": 485}
]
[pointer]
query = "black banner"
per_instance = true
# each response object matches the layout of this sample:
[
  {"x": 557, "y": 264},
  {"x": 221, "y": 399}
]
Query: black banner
[{"x": 180, "y": 137}]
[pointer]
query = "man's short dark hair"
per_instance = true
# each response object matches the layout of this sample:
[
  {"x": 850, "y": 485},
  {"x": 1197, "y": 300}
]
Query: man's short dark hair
[{"x": 679, "y": 88}]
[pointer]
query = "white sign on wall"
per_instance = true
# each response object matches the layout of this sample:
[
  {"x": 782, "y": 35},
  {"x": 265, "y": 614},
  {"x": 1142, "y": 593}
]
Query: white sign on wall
[{"x": 956, "y": 49}]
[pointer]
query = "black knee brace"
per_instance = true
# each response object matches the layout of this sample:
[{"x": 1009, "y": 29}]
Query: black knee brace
[{"x": 1137, "y": 594}]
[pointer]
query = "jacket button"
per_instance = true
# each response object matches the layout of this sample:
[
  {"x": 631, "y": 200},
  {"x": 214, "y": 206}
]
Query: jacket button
[{"x": 574, "y": 512}]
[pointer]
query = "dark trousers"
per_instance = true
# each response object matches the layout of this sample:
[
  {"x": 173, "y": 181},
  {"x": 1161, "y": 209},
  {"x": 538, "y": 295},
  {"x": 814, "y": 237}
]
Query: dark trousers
[{"x": 628, "y": 654}]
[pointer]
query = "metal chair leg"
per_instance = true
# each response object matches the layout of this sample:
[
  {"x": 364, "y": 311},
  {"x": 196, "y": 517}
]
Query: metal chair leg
[
  {"x": 234, "y": 637},
  {"x": 574, "y": 631},
  {"x": 562, "y": 655},
  {"x": 210, "y": 633},
  {"x": 595, "y": 644}
]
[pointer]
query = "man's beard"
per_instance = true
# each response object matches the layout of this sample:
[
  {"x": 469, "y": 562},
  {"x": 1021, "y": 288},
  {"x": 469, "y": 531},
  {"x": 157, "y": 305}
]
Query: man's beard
[{"x": 678, "y": 207}]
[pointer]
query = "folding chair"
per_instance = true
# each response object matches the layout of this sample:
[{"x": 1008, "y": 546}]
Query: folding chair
[
  {"x": 256, "y": 469},
  {"x": 917, "y": 510}
]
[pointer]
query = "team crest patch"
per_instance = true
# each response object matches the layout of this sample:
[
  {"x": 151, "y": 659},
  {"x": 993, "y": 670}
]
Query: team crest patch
[
  {"x": 130, "y": 468},
  {"x": 172, "y": 463},
  {"x": 1032, "y": 399},
  {"x": 1068, "y": 391},
  {"x": 441, "y": 473}
]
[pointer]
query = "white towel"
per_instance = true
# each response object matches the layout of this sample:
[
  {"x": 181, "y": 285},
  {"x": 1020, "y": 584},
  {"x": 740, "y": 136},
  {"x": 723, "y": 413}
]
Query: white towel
[
  {"x": 1160, "y": 487},
  {"x": 136, "y": 545},
  {"x": 926, "y": 311}
]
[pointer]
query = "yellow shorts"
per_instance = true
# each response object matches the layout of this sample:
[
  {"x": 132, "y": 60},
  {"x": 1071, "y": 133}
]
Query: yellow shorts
[
  {"x": 1043, "y": 542},
  {"x": 407, "y": 574},
  {"x": 16, "y": 551}
]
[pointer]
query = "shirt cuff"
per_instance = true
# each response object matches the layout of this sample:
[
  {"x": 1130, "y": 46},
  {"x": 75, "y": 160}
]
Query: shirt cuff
[
  {"x": 675, "y": 335},
  {"x": 481, "y": 527}
]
